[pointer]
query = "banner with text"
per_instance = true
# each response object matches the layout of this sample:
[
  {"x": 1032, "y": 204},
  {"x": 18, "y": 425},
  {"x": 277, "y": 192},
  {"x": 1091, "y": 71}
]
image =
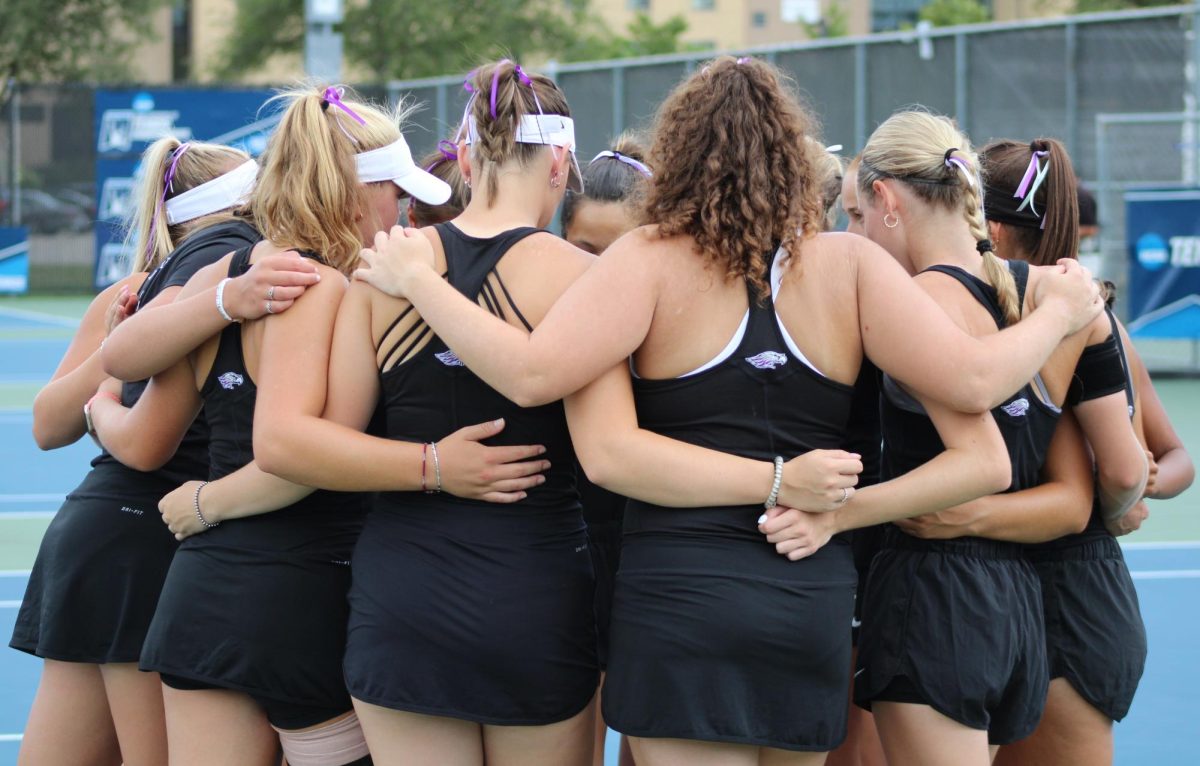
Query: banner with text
[{"x": 1163, "y": 234}]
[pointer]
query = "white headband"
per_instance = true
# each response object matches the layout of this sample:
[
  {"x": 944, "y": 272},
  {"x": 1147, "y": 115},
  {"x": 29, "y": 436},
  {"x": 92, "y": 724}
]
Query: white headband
[
  {"x": 546, "y": 129},
  {"x": 221, "y": 193},
  {"x": 394, "y": 163}
]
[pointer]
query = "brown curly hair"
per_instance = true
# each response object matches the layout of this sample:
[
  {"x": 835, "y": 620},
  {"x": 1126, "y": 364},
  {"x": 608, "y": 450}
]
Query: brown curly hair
[{"x": 732, "y": 169}]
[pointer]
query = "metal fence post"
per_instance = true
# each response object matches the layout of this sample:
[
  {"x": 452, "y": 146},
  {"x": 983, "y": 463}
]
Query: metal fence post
[
  {"x": 618, "y": 100},
  {"x": 860, "y": 96},
  {"x": 1071, "y": 84},
  {"x": 961, "y": 73}
]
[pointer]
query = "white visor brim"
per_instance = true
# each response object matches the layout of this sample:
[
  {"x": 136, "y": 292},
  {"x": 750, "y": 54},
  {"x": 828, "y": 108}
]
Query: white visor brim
[{"x": 394, "y": 163}]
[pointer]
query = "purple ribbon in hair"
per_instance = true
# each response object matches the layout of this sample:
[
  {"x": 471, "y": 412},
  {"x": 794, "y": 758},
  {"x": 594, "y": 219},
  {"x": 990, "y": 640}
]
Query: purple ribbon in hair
[
  {"x": 168, "y": 186},
  {"x": 959, "y": 163},
  {"x": 333, "y": 95},
  {"x": 496, "y": 84},
  {"x": 744, "y": 60},
  {"x": 448, "y": 151},
  {"x": 1035, "y": 174}
]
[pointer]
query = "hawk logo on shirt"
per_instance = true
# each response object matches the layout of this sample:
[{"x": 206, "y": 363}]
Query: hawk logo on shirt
[
  {"x": 449, "y": 358},
  {"x": 1017, "y": 407},
  {"x": 230, "y": 381},
  {"x": 768, "y": 360}
]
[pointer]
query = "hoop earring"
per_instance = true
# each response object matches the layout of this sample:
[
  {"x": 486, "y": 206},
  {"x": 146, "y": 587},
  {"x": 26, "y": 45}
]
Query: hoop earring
[{"x": 895, "y": 221}]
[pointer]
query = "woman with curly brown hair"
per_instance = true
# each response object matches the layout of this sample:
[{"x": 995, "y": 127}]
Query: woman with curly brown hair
[{"x": 722, "y": 649}]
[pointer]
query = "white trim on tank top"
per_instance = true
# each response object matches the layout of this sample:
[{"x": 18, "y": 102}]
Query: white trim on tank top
[{"x": 736, "y": 340}]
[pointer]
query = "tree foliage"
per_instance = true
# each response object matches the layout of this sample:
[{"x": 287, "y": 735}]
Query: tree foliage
[
  {"x": 1092, "y": 6},
  {"x": 403, "y": 39},
  {"x": 949, "y": 13},
  {"x": 70, "y": 40},
  {"x": 835, "y": 22}
]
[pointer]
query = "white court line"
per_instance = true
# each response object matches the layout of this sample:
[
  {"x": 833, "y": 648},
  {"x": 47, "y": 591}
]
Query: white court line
[
  {"x": 15, "y": 572},
  {"x": 43, "y": 497},
  {"x": 10, "y": 604},
  {"x": 11, "y": 737},
  {"x": 39, "y": 316},
  {"x": 1180, "y": 545},
  {"x": 22, "y": 515},
  {"x": 1166, "y": 574}
]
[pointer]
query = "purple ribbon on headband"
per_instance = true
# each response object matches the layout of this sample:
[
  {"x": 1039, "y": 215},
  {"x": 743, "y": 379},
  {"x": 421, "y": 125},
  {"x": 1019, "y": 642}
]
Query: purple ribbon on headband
[
  {"x": 448, "y": 151},
  {"x": 1030, "y": 173},
  {"x": 744, "y": 60},
  {"x": 333, "y": 95},
  {"x": 168, "y": 184}
]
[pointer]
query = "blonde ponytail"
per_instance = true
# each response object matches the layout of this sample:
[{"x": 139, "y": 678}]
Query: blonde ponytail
[{"x": 308, "y": 192}]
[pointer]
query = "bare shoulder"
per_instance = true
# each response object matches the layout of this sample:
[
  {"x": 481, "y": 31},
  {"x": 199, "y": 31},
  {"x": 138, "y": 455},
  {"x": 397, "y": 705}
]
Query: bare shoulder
[{"x": 550, "y": 255}]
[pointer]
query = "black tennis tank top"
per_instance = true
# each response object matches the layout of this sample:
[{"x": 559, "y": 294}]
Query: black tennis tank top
[
  {"x": 762, "y": 400},
  {"x": 1026, "y": 421},
  {"x": 190, "y": 460},
  {"x": 431, "y": 395},
  {"x": 322, "y": 519}
]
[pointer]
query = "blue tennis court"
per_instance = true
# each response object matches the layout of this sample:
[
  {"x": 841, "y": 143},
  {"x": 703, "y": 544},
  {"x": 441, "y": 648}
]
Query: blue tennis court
[{"x": 1164, "y": 556}]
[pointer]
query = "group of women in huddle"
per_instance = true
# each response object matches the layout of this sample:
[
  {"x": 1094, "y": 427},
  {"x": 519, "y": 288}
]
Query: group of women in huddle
[{"x": 368, "y": 445}]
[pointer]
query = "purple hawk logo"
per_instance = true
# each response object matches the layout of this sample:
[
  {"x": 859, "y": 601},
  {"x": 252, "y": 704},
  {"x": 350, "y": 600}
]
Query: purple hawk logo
[{"x": 767, "y": 360}]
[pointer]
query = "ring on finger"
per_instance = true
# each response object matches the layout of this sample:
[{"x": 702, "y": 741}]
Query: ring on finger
[
  {"x": 845, "y": 496},
  {"x": 269, "y": 311},
  {"x": 271, "y": 293}
]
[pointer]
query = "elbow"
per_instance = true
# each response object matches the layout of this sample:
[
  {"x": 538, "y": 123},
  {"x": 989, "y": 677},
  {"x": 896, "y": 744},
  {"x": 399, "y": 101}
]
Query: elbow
[
  {"x": 46, "y": 433},
  {"x": 531, "y": 391},
  {"x": 978, "y": 395},
  {"x": 1123, "y": 480},
  {"x": 272, "y": 456},
  {"x": 996, "y": 475},
  {"x": 144, "y": 459}
]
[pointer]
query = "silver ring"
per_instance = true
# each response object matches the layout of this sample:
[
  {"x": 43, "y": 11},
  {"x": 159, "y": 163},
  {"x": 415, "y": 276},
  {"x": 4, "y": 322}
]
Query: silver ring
[
  {"x": 269, "y": 308},
  {"x": 845, "y": 496},
  {"x": 271, "y": 293}
]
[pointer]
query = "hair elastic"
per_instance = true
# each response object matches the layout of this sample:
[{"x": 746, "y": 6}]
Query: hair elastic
[
  {"x": 623, "y": 158},
  {"x": 984, "y": 246},
  {"x": 952, "y": 162}
]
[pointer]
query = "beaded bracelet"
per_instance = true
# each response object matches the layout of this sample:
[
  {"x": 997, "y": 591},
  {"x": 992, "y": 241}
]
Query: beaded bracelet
[{"x": 196, "y": 503}]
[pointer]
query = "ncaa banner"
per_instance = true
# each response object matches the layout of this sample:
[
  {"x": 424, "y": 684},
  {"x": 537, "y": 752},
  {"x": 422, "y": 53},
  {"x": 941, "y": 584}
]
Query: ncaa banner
[
  {"x": 14, "y": 260},
  {"x": 128, "y": 121},
  {"x": 1163, "y": 233}
]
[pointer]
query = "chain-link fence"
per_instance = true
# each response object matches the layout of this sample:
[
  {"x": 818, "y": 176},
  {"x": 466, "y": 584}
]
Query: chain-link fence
[{"x": 1054, "y": 77}]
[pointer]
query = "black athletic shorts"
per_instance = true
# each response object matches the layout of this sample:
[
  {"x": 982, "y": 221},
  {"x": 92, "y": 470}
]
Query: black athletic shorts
[
  {"x": 956, "y": 625},
  {"x": 1095, "y": 637}
]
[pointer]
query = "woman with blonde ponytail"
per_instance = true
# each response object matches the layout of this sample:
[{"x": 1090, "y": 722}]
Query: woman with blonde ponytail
[
  {"x": 946, "y": 688},
  {"x": 103, "y": 559},
  {"x": 250, "y": 630}
]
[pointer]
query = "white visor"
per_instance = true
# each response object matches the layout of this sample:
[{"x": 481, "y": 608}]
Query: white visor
[
  {"x": 221, "y": 193},
  {"x": 548, "y": 130},
  {"x": 394, "y": 163}
]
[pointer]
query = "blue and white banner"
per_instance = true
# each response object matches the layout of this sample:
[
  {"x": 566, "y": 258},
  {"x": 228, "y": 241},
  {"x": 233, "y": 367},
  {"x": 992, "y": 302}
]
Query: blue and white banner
[
  {"x": 14, "y": 259},
  {"x": 1163, "y": 233},
  {"x": 128, "y": 121}
]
